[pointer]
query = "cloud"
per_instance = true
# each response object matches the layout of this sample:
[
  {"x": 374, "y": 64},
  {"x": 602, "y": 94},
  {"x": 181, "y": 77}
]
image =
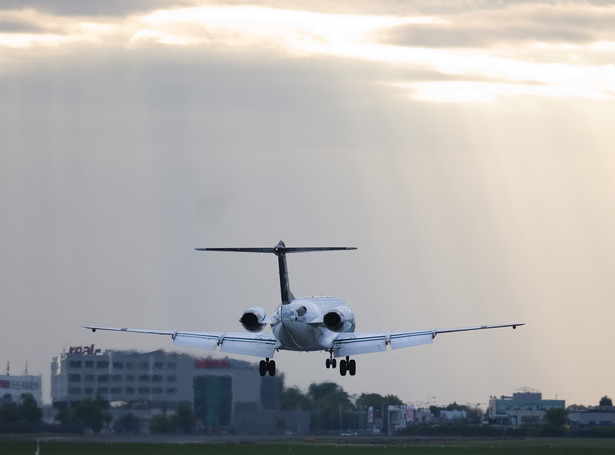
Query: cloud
[
  {"x": 108, "y": 8},
  {"x": 518, "y": 24}
]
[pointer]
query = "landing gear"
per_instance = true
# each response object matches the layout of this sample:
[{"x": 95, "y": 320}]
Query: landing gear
[
  {"x": 331, "y": 362},
  {"x": 266, "y": 366},
  {"x": 348, "y": 365}
]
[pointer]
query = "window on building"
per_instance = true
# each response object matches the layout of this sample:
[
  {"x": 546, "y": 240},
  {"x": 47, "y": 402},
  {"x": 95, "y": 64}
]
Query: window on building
[
  {"x": 116, "y": 378},
  {"x": 158, "y": 365},
  {"x": 172, "y": 378},
  {"x": 144, "y": 365},
  {"x": 88, "y": 364},
  {"x": 130, "y": 378},
  {"x": 88, "y": 391},
  {"x": 130, "y": 390},
  {"x": 157, "y": 390},
  {"x": 116, "y": 390},
  {"x": 74, "y": 377},
  {"x": 102, "y": 364},
  {"x": 103, "y": 391},
  {"x": 74, "y": 390},
  {"x": 130, "y": 366},
  {"x": 171, "y": 391},
  {"x": 118, "y": 365},
  {"x": 157, "y": 378},
  {"x": 171, "y": 365},
  {"x": 143, "y": 390},
  {"x": 144, "y": 378},
  {"x": 102, "y": 378},
  {"x": 74, "y": 364},
  {"x": 88, "y": 378}
]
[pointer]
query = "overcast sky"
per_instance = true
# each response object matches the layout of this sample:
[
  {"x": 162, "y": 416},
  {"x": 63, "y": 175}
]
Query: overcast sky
[{"x": 466, "y": 149}]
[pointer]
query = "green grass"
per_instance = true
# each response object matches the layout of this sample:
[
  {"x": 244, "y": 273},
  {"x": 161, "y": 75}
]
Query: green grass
[{"x": 471, "y": 447}]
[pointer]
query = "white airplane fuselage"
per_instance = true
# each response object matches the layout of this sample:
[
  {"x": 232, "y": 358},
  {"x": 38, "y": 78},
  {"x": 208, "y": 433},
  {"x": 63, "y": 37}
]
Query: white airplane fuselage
[{"x": 301, "y": 325}]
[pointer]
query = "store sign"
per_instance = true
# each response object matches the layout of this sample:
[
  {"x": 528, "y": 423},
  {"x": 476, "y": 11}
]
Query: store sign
[
  {"x": 84, "y": 350},
  {"x": 19, "y": 385}
]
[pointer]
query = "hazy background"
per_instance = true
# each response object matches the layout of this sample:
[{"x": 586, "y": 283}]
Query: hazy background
[{"x": 467, "y": 150}]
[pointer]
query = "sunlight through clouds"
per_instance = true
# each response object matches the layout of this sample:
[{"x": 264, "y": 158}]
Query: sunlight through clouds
[{"x": 470, "y": 74}]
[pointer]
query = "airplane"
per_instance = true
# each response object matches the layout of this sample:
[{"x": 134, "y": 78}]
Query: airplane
[{"x": 300, "y": 324}]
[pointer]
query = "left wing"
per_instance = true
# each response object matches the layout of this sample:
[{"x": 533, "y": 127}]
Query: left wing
[
  {"x": 256, "y": 344},
  {"x": 352, "y": 343}
]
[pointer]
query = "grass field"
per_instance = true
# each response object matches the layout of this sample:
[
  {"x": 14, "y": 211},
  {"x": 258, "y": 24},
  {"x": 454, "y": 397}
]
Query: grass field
[{"x": 515, "y": 447}]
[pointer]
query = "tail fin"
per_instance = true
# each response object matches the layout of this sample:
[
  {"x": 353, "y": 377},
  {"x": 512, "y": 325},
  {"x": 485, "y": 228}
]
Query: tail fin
[{"x": 280, "y": 251}]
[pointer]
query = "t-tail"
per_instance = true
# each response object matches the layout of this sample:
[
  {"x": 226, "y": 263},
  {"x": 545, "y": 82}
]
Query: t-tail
[{"x": 280, "y": 251}]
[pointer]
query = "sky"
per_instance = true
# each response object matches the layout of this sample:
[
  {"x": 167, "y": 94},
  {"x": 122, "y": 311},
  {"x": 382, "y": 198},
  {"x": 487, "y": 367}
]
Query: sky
[{"x": 465, "y": 147}]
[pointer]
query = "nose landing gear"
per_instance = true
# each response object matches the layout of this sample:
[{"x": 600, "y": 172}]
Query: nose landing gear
[{"x": 266, "y": 366}]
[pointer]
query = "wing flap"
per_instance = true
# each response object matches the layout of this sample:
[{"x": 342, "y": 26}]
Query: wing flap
[
  {"x": 260, "y": 345},
  {"x": 208, "y": 341},
  {"x": 399, "y": 340},
  {"x": 359, "y": 343}
]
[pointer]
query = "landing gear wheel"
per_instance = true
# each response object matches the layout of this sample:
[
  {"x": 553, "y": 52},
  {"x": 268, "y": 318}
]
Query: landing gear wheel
[
  {"x": 343, "y": 367},
  {"x": 352, "y": 367},
  {"x": 271, "y": 368},
  {"x": 333, "y": 363},
  {"x": 328, "y": 363},
  {"x": 262, "y": 368}
]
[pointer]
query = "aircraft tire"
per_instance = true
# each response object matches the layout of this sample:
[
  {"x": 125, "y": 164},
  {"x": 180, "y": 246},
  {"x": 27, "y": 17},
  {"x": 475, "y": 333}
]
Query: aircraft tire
[
  {"x": 333, "y": 363},
  {"x": 262, "y": 368},
  {"x": 352, "y": 367},
  {"x": 271, "y": 368},
  {"x": 343, "y": 367},
  {"x": 328, "y": 363}
]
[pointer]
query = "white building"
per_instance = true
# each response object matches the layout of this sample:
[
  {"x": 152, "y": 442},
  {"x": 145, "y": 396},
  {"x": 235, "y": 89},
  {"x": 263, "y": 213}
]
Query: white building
[
  {"x": 12, "y": 387},
  {"x": 224, "y": 393}
]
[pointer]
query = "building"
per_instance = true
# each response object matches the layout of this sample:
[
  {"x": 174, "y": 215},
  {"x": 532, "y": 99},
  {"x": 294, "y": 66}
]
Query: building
[
  {"x": 224, "y": 393},
  {"x": 12, "y": 387},
  {"x": 595, "y": 415},
  {"x": 524, "y": 407}
]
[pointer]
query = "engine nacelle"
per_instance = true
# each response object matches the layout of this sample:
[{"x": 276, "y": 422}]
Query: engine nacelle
[
  {"x": 334, "y": 320},
  {"x": 254, "y": 319}
]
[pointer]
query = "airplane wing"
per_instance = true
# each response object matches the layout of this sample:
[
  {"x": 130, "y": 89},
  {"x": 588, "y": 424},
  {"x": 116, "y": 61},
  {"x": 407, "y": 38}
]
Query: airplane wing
[
  {"x": 352, "y": 343},
  {"x": 256, "y": 344}
]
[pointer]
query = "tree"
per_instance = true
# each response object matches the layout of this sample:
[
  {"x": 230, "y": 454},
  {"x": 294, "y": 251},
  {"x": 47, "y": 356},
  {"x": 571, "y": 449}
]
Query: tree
[
  {"x": 556, "y": 417},
  {"x": 88, "y": 413},
  {"x": 29, "y": 411},
  {"x": 9, "y": 412},
  {"x": 292, "y": 399},
  {"x": 160, "y": 423},
  {"x": 127, "y": 423},
  {"x": 184, "y": 420},
  {"x": 332, "y": 408},
  {"x": 606, "y": 401}
]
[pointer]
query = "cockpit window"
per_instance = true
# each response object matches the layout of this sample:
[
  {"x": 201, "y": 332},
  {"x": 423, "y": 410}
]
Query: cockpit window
[{"x": 301, "y": 311}]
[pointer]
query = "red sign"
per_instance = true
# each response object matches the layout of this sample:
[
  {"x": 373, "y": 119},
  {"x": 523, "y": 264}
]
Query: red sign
[{"x": 211, "y": 363}]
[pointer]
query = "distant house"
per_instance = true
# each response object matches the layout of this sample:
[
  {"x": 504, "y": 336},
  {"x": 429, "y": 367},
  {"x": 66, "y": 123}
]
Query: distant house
[
  {"x": 597, "y": 415},
  {"x": 524, "y": 407}
]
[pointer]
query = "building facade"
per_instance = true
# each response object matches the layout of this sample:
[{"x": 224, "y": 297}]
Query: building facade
[
  {"x": 219, "y": 390},
  {"x": 12, "y": 387},
  {"x": 524, "y": 407}
]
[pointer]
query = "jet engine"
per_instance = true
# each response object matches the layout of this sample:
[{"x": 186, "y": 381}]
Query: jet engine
[
  {"x": 254, "y": 319},
  {"x": 334, "y": 320}
]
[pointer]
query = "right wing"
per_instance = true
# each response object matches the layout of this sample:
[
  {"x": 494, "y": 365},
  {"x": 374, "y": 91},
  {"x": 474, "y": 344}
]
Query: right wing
[
  {"x": 351, "y": 343},
  {"x": 256, "y": 344}
]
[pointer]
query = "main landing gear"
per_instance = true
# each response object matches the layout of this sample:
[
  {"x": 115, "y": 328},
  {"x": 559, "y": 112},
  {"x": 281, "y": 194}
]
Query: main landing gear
[
  {"x": 347, "y": 365},
  {"x": 266, "y": 366}
]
